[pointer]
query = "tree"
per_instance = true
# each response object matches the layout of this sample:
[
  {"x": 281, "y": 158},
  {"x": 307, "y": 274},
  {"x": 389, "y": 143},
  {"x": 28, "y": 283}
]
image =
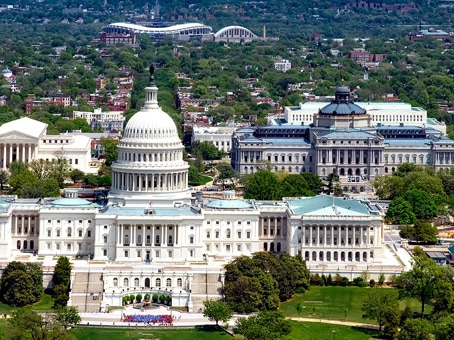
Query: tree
[
  {"x": 67, "y": 316},
  {"x": 377, "y": 303},
  {"x": 109, "y": 150},
  {"x": 262, "y": 185},
  {"x": 209, "y": 150},
  {"x": 295, "y": 186},
  {"x": 400, "y": 212},
  {"x": 421, "y": 202},
  {"x": 4, "y": 178},
  {"x": 420, "y": 329},
  {"x": 420, "y": 232},
  {"x": 216, "y": 311},
  {"x": 61, "y": 281},
  {"x": 314, "y": 182},
  {"x": 391, "y": 320},
  {"x": 427, "y": 282},
  {"x": 444, "y": 328},
  {"x": 225, "y": 173},
  {"x": 21, "y": 284},
  {"x": 266, "y": 325}
]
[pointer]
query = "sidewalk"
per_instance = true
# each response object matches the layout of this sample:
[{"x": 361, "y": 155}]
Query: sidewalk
[{"x": 337, "y": 322}]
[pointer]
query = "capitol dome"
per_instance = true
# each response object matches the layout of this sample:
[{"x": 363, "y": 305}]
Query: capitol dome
[{"x": 150, "y": 168}]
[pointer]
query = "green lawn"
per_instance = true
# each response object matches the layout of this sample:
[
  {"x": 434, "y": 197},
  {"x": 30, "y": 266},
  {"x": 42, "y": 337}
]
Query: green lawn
[
  {"x": 316, "y": 330},
  {"x": 300, "y": 331},
  {"x": 152, "y": 333},
  {"x": 336, "y": 303}
]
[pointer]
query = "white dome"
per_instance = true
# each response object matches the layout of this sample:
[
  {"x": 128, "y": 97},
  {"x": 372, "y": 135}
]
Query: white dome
[
  {"x": 151, "y": 124},
  {"x": 150, "y": 165}
]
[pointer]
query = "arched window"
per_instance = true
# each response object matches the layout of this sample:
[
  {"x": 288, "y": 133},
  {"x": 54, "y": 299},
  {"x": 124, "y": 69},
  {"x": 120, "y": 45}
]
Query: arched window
[
  {"x": 32, "y": 245},
  {"x": 158, "y": 282},
  {"x": 18, "y": 244},
  {"x": 115, "y": 282},
  {"x": 179, "y": 282},
  {"x": 126, "y": 282},
  {"x": 265, "y": 246},
  {"x": 25, "y": 244},
  {"x": 139, "y": 239},
  {"x": 171, "y": 239},
  {"x": 169, "y": 282},
  {"x": 278, "y": 247},
  {"x": 69, "y": 232},
  {"x": 147, "y": 282},
  {"x": 136, "y": 282},
  {"x": 148, "y": 239}
]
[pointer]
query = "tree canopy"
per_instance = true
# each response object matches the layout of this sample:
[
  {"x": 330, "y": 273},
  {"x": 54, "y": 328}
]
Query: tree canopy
[
  {"x": 268, "y": 325},
  {"x": 21, "y": 284},
  {"x": 216, "y": 311},
  {"x": 267, "y": 185},
  {"x": 262, "y": 281},
  {"x": 428, "y": 282}
]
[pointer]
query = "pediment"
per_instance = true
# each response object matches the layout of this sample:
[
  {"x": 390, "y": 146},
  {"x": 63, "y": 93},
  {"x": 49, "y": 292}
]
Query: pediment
[{"x": 15, "y": 135}]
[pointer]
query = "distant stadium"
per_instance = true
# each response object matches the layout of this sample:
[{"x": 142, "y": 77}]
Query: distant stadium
[{"x": 126, "y": 33}]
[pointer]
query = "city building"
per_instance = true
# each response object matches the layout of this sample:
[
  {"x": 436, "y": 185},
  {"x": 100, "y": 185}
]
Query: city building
[
  {"x": 344, "y": 138},
  {"x": 26, "y": 140},
  {"x": 221, "y": 137},
  {"x": 106, "y": 120},
  {"x": 153, "y": 236},
  {"x": 282, "y": 65}
]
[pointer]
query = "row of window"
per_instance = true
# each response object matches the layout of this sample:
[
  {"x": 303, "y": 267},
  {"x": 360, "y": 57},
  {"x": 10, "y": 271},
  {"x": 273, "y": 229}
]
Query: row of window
[
  {"x": 147, "y": 282},
  {"x": 58, "y": 233},
  {"x": 228, "y": 247},
  {"x": 228, "y": 222},
  {"x": 320, "y": 256},
  {"x": 69, "y": 221},
  {"x": 228, "y": 234},
  {"x": 150, "y": 157}
]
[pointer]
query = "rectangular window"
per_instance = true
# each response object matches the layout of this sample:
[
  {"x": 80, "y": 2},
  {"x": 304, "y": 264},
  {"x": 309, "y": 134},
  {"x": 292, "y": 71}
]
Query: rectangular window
[
  {"x": 126, "y": 253},
  {"x": 88, "y": 233},
  {"x": 138, "y": 253},
  {"x": 104, "y": 252}
]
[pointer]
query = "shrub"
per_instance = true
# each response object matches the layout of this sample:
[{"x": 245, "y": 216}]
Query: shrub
[
  {"x": 345, "y": 281},
  {"x": 155, "y": 298},
  {"x": 162, "y": 299},
  {"x": 147, "y": 297},
  {"x": 372, "y": 283},
  {"x": 139, "y": 297}
]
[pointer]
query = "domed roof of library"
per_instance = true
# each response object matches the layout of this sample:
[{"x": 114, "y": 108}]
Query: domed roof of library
[{"x": 342, "y": 105}]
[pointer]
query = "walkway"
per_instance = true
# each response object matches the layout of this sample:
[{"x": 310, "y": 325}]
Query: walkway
[{"x": 337, "y": 322}]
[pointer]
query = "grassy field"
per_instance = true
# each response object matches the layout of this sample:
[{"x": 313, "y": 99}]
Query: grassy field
[
  {"x": 316, "y": 331},
  {"x": 161, "y": 334},
  {"x": 336, "y": 303},
  {"x": 300, "y": 331}
]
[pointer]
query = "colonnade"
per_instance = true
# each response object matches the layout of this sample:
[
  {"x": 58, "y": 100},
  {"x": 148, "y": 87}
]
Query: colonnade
[
  {"x": 334, "y": 236},
  {"x": 150, "y": 182},
  {"x": 9, "y": 152},
  {"x": 23, "y": 225},
  {"x": 138, "y": 235}
]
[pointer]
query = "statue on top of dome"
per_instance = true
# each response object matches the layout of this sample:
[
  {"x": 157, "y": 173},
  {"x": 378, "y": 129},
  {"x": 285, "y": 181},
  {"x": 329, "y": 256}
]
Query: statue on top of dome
[{"x": 151, "y": 73}]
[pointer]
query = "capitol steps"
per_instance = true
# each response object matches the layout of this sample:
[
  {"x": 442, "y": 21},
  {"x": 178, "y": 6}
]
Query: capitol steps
[{"x": 86, "y": 291}]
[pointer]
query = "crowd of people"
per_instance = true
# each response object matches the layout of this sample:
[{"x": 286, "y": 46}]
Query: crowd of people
[{"x": 162, "y": 320}]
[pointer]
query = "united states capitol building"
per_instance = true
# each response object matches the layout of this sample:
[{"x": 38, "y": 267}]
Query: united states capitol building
[{"x": 154, "y": 237}]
